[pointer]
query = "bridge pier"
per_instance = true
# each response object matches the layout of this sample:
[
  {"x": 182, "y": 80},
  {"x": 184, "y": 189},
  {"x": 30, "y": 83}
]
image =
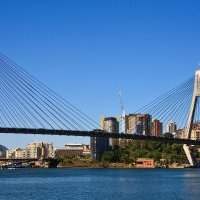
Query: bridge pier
[
  {"x": 189, "y": 127},
  {"x": 189, "y": 155}
]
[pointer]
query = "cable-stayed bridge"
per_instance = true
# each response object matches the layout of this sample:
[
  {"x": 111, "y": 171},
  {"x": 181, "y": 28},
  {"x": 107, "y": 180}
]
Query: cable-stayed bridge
[{"x": 27, "y": 106}]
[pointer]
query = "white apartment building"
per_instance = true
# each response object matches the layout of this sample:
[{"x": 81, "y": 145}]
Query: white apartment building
[{"x": 32, "y": 151}]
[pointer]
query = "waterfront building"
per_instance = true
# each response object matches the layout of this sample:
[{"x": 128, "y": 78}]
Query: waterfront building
[
  {"x": 40, "y": 151},
  {"x": 20, "y": 153},
  {"x": 10, "y": 153},
  {"x": 156, "y": 128},
  {"x": 32, "y": 151},
  {"x": 145, "y": 163},
  {"x": 180, "y": 133},
  {"x": 111, "y": 125},
  {"x": 73, "y": 150},
  {"x": 195, "y": 134},
  {"x": 65, "y": 153},
  {"x": 3, "y": 151},
  {"x": 98, "y": 146},
  {"x": 85, "y": 148}
]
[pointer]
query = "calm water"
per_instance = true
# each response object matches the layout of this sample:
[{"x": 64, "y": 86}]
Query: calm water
[{"x": 99, "y": 184}]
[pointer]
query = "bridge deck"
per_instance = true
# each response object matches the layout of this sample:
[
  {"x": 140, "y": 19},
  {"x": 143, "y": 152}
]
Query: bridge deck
[{"x": 96, "y": 134}]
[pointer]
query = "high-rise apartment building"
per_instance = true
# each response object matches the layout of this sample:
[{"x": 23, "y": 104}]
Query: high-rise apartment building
[
  {"x": 111, "y": 125},
  {"x": 156, "y": 128},
  {"x": 139, "y": 124},
  {"x": 172, "y": 127}
]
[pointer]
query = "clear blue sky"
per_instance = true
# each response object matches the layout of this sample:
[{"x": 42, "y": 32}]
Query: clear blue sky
[{"x": 87, "y": 50}]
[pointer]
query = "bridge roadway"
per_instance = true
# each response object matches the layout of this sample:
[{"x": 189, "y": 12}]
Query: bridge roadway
[{"x": 96, "y": 133}]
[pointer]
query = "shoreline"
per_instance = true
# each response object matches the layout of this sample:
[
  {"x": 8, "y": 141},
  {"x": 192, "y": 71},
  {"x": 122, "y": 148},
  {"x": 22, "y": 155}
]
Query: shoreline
[{"x": 112, "y": 168}]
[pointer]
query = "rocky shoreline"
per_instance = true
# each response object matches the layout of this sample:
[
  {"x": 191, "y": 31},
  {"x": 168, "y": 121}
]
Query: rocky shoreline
[{"x": 117, "y": 165}]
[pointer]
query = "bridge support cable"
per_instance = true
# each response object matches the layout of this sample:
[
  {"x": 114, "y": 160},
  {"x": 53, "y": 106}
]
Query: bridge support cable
[
  {"x": 183, "y": 116},
  {"x": 50, "y": 105},
  {"x": 40, "y": 110},
  {"x": 24, "y": 102},
  {"x": 163, "y": 98},
  {"x": 165, "y": 103},
  {"x": 172, "y": 106},
  {"x": 176, "y": 109},
  {"x": 43, "y": 100},
  {"x": 17, "y": 110},
  {"x": 17, "y": 100},
  {"x": 59, "y": 99},
  {"x": 53, "y": 96},
  {"x": 29, "y": 103}
]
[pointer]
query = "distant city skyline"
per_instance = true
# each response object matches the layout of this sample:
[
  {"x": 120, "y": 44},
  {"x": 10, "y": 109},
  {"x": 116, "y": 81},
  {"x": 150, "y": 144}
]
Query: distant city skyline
[{"x": 88, "y": 51}]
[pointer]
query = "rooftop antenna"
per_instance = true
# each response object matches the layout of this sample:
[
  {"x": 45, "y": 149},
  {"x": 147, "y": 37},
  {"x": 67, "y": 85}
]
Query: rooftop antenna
[{"x": 123, "y": 114}]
